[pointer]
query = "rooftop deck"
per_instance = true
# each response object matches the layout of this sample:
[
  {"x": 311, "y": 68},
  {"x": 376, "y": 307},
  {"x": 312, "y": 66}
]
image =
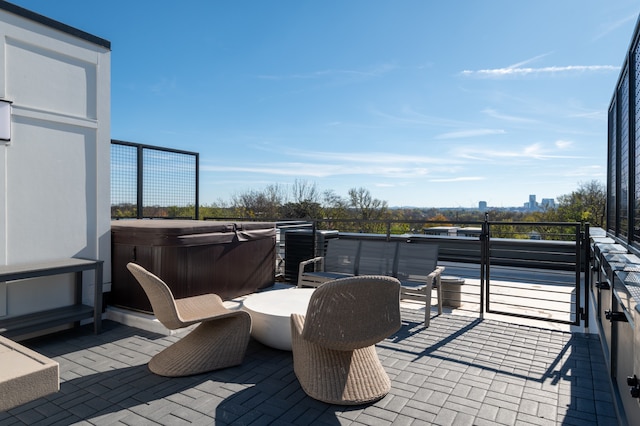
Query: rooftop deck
[{"x": 460, "y": 371}]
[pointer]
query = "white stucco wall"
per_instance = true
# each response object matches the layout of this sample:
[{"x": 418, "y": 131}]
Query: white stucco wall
[{"x": 54, "y": 173}]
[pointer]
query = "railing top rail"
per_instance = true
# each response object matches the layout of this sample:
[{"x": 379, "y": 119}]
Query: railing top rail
[
  {"x": 153, "y": 147},
  {"x": 537, "y": 223},
  {"x": 429, "y": 221}
]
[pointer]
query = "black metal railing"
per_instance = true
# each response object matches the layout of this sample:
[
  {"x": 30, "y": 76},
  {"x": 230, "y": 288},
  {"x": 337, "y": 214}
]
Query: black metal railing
[
  {"x": 153, "y": 182},
  {"x": 525, "y": 269}
]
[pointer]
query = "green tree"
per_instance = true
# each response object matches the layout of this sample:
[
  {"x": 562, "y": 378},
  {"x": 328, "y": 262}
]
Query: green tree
[
  {"x": 334, "y": 206},
  {"x": 587, "y": 203},
  {"x": 219, "y": 209},
  {"x": 301, "y": 210},
  {"x": 365, "y": 208},
  {"x": 305, "y": 204},
  {"x": 260, "y": 204}
]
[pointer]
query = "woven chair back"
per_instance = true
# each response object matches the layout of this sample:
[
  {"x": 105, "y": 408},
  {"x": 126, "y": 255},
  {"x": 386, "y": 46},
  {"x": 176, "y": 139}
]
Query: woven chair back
[
  {"x": 352, "y": 313},
  {"x": 160, "y": 296}
]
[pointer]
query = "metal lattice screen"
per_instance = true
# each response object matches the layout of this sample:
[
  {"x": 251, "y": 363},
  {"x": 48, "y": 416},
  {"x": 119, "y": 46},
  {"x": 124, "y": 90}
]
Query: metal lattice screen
[{"x": 148, "y": 181}]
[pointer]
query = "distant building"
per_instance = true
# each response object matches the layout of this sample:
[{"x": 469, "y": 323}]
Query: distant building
[
  {"x": 482, "y": 206},
  {"x": 548, "y": 203},
  {"x": 450, "y": 231},
  {"x": 453, "y": 231},
  {"x": 545, "y": 204}
]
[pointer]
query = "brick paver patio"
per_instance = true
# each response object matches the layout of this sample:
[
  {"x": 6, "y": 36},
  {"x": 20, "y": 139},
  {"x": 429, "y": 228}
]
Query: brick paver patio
[{"x": 460, "y": 371}]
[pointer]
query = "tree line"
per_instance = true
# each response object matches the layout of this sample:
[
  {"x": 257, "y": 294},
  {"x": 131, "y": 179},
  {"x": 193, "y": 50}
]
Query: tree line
[{"x": 360, "y": 211}]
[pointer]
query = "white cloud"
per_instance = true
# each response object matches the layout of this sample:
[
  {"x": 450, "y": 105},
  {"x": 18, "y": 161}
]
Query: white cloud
[
  {"x": 534, "y": 151},
  {"x": 528, "y": 61},
  {"x": 560, "y": 144},
  {"x": 511, "y": 118},
  {"x": 596, "y": 115},
  {"x": 520, "y": 71},
  {"x": 470, "y": 133},
  {"x": 321, "y": 170},
  {"x": 459, "y": 179},
  {"x": 612, "y": 26},
  {"x": 373, "y": 71},
  {"x": 408, "y": 115},
  {"x": 366, "y": 157},
  {"x": 591, "y": 172},
  {"x": 322, "y": 164}
]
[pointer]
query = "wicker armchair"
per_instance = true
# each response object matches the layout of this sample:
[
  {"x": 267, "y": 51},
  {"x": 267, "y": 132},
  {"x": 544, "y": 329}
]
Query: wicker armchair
[
  {"x": 219, "y": 341},
  {"x": 334, "y": 356}
]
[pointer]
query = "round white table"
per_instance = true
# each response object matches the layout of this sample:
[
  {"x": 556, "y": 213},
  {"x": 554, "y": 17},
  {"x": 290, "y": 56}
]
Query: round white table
[{"x": 271, "y": 311}]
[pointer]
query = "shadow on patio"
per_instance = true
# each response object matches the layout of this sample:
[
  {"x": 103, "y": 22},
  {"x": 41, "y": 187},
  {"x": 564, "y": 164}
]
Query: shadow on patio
[{"x": 461, "y": 370}]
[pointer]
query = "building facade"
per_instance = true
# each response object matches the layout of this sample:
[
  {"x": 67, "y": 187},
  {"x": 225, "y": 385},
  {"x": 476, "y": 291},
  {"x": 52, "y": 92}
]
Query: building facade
[
  {"x": 54, "y": 156},
  {"x": 623, "y": 170}
]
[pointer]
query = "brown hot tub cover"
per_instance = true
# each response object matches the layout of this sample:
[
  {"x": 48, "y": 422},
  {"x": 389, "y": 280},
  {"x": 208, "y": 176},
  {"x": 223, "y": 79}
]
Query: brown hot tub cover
[{"x": 196, "y": 257}]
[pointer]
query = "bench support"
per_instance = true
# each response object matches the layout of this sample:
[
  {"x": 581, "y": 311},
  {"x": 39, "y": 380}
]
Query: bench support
[{"x": 24, "y": 324}]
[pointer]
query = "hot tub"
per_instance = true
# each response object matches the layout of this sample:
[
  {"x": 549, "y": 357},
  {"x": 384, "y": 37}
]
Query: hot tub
[{"x": 193, "y": 257}]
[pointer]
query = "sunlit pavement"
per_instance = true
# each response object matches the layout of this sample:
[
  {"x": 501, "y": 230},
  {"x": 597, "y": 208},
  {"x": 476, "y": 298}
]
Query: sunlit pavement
[{"x": 461, "y": 370}]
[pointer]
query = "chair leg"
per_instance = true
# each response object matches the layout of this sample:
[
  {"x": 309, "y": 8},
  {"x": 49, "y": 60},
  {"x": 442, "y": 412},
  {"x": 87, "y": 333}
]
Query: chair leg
[
  {"x": 439, "y": 292},
  {"x": 427, "y": 306},
  {"x": 212, "y": 345},
  {"x": 337, "y": 377},
  {"x": 343, "y": 377}
]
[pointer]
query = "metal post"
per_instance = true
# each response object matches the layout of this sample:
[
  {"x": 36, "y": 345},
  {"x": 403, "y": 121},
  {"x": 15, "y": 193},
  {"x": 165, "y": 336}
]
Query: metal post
[
  {"x": 484, "y": 248},
  {"x": 314, "y": 248},
  {"x": 586, "y": 252},
  {"x": 578, "y": 239},
  {"x": 139, "y": 199},
  {"x": 197, "y": 206}
]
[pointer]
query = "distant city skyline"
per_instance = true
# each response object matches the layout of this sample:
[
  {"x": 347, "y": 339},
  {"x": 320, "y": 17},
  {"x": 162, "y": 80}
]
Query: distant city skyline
[
  {"x": 526, "y": 205},
  {"x": 371, "y": 94}
]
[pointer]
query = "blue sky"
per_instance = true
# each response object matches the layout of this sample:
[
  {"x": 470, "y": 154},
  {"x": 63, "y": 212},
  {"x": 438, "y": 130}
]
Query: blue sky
[{"x": 424, "y": 103}]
